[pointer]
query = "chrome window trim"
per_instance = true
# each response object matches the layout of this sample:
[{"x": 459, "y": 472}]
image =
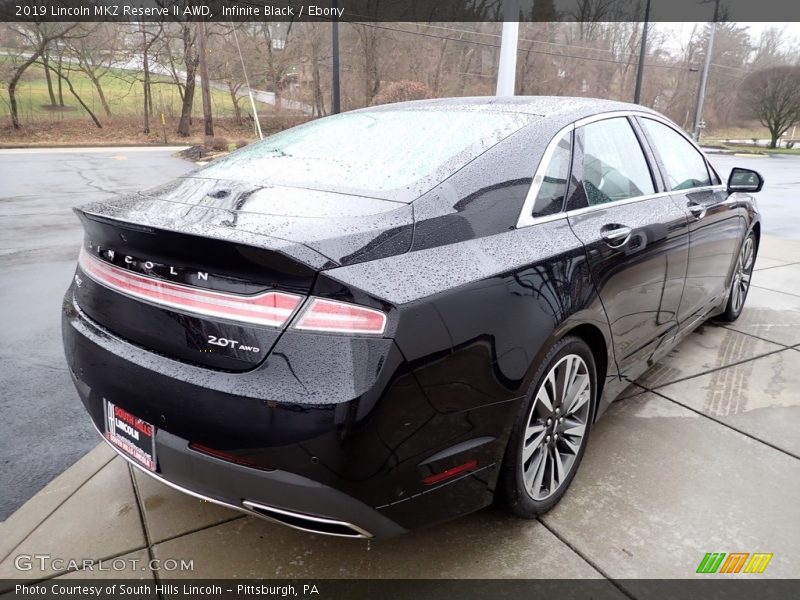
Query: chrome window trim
[
  {"x": 526, "y": 218},
  {"x": 597, "y": 207}
]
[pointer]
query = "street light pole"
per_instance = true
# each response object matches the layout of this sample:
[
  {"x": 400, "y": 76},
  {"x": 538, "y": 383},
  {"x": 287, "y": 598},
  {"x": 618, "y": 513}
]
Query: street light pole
[
  {"x": 701, "y": 90},
  {"x": 507, "y": 66},
  {"x": 637, "y": 95},
  {"x": 336, "y": 107}
]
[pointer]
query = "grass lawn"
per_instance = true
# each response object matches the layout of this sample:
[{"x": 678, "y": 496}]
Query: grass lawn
[
  {"x": 122, "y": 90},
  {"x": 760, "y": 149}
]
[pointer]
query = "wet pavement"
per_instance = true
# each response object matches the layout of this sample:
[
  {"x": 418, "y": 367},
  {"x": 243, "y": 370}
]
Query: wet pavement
[
  {"x": 702, "y": 455},
  {"x": 779, "y": 199},
  {"x": 39, "y": 434}
]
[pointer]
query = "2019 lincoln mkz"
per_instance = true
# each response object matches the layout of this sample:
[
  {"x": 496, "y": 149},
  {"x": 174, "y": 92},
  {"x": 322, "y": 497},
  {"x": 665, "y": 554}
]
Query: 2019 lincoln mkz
[{"x": 391, "y": 317}]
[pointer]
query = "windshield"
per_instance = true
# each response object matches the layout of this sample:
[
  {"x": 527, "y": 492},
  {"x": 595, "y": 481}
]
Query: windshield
[{"x": 392, "y": 154}]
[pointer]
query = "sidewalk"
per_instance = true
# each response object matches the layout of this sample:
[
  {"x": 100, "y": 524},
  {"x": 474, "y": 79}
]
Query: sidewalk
[{"x": 703, "y": 455}]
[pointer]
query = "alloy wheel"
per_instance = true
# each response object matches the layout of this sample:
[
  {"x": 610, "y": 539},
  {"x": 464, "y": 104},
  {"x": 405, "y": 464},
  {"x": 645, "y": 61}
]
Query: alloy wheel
[
  {"x": 556, "y": 427},
  {"x": 741, "y": 279}
]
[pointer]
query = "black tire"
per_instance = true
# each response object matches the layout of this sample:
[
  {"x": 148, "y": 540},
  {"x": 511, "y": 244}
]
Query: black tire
[
  {"x": 743, "y": 271},
  {"x": 512, "y": 489}
]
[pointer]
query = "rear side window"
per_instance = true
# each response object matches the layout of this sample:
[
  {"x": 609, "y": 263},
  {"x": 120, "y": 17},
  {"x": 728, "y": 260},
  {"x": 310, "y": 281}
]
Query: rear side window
[
  {"x": 685, "y": 167},
  {"x": 614, "y": 167},
  {"x": 550, "y": 198}
]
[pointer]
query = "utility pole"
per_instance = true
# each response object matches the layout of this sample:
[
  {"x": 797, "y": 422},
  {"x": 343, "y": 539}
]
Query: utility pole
[
  {"x": 507, "y": 67},
  {"x": 205, "y": 87},
  {"x": 699, "y": 125},
  {"x": 637, "y": 95},
  {"x": 146, "y": 67},
  {"x": 336, "y": 105},
  {"x": 247, "y": 83}
]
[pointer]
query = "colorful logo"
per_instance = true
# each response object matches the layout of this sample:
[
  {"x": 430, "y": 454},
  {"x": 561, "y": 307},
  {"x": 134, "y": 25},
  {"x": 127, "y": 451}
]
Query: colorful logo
[{"x": 735, "y": 562}]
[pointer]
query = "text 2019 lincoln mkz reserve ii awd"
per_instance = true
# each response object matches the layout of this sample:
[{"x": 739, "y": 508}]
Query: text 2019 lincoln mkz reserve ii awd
[{"x": 391, "y": 317}]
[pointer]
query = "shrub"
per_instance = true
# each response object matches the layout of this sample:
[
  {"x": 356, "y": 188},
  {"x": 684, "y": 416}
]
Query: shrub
[
  {"x": 216, "y": 143},
  {"x": 402, "y": 91}
]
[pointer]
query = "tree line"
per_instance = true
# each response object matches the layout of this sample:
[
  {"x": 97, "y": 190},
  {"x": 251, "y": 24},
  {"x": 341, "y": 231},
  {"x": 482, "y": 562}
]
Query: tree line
[{"x": 750, "y": 79}]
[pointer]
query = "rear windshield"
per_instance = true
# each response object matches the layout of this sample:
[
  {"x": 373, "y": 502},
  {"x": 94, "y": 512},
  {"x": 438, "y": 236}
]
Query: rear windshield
[{"x": 392, "y": 154}]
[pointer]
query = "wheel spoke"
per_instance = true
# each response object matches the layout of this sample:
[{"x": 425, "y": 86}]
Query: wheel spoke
[
  {"x": 573, "y": 447},
  {"x": 536, "y": 488},
  {"x": 533, "y": 439},
  {"x": 576, "y": 431},
  {"x": 562, "y": 376},
  {"x": 582, "y": 399},
  {"x": 747, "y": 254},
  {"x": 562, "y": 473},
  {"x": 543, "y": 396},
  {"x": 578, "y": 387}
]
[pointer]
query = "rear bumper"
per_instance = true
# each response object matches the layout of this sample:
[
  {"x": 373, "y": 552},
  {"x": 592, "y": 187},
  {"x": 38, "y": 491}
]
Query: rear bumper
[
  {"x": 267, "y": 494},
  {"x": 351, "y": 467}
]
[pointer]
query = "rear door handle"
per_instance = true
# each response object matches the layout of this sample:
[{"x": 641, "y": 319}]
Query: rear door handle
[
  {"x": 615, "y": 235},
  {"x": 697, "y": 210}
]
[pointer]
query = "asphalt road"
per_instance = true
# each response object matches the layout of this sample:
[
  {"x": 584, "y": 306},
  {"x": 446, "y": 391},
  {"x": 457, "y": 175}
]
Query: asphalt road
[
  {"x": 779, "y": 201},
  {"x": 42, "y": 428}
]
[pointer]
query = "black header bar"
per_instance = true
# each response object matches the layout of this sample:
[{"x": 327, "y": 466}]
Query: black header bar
[{"x": 397, "y": 10}]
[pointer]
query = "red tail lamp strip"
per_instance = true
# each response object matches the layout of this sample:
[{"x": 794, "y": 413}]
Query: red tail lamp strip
[
  {"x": 437, "y": 477},
  {"x": 341, "y": 317},
  {"x": 227, "y": 457},
  {"x": 270, "y": 308}
]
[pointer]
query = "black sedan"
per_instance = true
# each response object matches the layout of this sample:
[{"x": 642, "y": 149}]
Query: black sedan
[{"x": 391, "y": 317}]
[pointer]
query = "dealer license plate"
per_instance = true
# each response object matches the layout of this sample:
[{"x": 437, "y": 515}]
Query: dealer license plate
[{"x": 133, "y": 436}]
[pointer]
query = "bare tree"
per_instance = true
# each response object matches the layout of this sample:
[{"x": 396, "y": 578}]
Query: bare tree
[
  {"x": 179, "y": 47},
  {"x": 94, "y": 54},
  {"x": 47, "y": 68},
  {"x": 313, "y": 37},
  {"x": 38, "y": 37},
  {"x": 773, "y": 96},
  {"x": 369, "y": 36},
  {"x": 279, "y": 57},
  {"x": 224, "y": 63},
  {"x": 205, "y": 85},
  {"x": 61, "y": 75}
]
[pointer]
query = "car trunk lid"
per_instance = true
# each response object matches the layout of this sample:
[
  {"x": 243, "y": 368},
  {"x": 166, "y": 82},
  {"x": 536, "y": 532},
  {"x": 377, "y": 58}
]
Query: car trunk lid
[{"x": 185, "y": 271}]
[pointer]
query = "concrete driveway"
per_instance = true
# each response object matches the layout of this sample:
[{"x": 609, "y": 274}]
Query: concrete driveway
[{"x": 701, "y": 456}]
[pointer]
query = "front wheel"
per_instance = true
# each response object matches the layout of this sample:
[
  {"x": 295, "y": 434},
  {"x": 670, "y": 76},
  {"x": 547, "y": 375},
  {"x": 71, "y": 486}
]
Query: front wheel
[
  {"x": 551, "y": 431},
  {"x": 741, "y": 279}
]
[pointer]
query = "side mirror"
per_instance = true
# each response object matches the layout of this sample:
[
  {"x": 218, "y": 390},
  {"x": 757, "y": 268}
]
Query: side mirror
[{"x": 744, "y": 180}]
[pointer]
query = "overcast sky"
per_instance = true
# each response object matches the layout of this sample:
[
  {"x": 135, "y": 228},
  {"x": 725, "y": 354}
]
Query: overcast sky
[{"x": 682, "y": 31}]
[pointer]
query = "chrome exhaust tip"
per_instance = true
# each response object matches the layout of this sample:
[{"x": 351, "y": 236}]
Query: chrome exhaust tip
[{"x": 307, "y": 523}]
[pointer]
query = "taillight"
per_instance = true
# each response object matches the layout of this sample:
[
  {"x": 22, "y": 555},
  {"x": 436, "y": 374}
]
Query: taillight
[
  {"x": 341, "y": 317},
  {"x": 270, "y": 308}
]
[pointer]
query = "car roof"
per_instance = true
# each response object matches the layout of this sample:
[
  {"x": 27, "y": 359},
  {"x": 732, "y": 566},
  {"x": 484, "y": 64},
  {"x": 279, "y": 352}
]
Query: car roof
[{"x": 564, "y": 109}]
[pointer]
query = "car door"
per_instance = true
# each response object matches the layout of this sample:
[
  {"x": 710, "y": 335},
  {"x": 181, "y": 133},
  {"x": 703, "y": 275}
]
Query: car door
[
  {"x": 635, "y": 236},
  {"x": 716, "y": 223}
]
